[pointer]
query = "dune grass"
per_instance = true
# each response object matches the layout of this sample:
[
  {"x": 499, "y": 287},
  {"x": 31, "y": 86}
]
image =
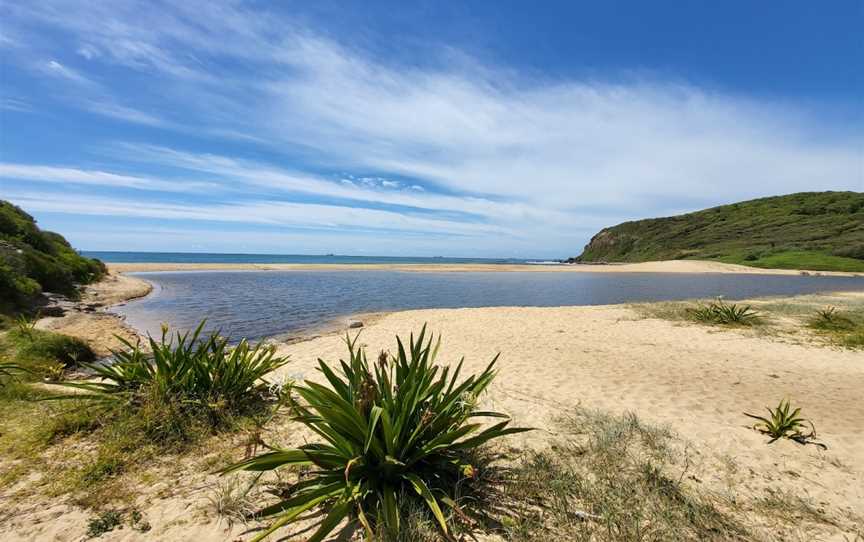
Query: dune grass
[
  {"x": 716, "y": 312},
  {"x": 610, "y": 478},
  {"x": 178, "y": 394},
  {"x": 804, "y": 319},
  {"x": 841, "y": 327}
]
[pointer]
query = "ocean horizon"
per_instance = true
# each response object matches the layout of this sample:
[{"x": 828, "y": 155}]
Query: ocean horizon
[{"x": 239, "y": 258}]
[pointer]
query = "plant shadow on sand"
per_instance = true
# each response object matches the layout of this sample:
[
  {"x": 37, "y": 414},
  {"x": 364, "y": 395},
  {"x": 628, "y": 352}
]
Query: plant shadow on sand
[{"x": 604, "y": 478}]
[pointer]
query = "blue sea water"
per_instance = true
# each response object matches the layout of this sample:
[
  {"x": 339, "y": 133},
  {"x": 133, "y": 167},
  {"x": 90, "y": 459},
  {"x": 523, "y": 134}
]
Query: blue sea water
[
  {"x": 204, "y": 257},
  {"x": 258, "y": 304}
]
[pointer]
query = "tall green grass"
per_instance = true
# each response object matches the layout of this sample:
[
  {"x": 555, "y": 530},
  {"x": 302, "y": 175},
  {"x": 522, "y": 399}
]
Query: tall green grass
[{"x": 395, "y": 434}]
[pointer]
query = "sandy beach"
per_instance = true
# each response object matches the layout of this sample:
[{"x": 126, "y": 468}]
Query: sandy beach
[
  {"x": 89, "y": 318},
  {"x": 670, "y": 266},
  {"x": 694, "y": 379}
]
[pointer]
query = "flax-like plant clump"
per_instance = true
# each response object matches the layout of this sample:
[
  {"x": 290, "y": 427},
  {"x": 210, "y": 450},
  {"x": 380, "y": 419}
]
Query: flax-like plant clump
[{"x": 396, "y": 434}]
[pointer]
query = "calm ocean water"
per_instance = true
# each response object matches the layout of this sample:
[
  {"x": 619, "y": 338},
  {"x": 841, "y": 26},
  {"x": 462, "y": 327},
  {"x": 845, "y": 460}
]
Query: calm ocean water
[
  {"x": 203, "y": 257},
  {"x": 258, "y": 304}
]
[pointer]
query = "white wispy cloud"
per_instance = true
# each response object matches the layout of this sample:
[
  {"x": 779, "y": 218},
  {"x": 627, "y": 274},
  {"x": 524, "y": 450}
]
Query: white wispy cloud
[
  {"x": 129, "y": 114},
  {"x": 52, "y": 174},
  {"x": 55, "y": 69},
  {"x": 523, "y": 153},
  {"x": 267, "y": 213},
  {"x": 246, "y": 174},
  {"x": 15, "y": 104}
]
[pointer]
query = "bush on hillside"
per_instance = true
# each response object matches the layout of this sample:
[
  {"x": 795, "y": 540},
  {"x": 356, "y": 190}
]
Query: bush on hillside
[
  {"x": 33, "y": 261},
  {"x": 852, "y": 251}
]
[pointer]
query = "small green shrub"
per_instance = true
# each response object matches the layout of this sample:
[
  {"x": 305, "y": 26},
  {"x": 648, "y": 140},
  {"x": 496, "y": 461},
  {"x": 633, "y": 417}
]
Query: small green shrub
[
  {"x": 38, "y": 348},
  {"x": 783, "y": 422},
  {"x": 396, "y": 434},
  {"x": 720, "y": 312},
  {"x": 148, "y": 403},
  {"x": 111, "y": 519},
  {"x": 105, "y": 522}
]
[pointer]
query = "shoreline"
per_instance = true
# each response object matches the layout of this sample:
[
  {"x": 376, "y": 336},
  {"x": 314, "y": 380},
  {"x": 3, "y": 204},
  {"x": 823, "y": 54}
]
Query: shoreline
[
  {"x": 666, "y": 266},
  {"x": 90, "y": 319},
  {"x": 605, "y": 358}
]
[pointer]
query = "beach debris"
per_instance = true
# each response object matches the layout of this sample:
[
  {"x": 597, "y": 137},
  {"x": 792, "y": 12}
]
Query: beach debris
[{"x": 354, "y": 324}]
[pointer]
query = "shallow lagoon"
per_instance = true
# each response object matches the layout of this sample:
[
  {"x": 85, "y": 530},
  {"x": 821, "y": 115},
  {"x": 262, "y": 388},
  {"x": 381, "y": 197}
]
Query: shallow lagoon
[{"x": 258, "y": 304}]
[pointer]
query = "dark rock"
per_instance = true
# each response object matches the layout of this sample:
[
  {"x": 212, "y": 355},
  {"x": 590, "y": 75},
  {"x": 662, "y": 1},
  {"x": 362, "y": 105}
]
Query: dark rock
[{"x": 53, "y": 311}]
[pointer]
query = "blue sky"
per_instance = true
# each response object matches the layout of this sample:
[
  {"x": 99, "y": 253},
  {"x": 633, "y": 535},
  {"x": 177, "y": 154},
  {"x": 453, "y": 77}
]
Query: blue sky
[{"x": 501, "y": 129}]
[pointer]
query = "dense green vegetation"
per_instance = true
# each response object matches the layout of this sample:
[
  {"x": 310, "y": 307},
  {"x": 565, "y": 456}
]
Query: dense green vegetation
[
  {"x": 33, "y": 261},
  {"x": 147, "y": 404},
  {"x": 820, "y": 231}
]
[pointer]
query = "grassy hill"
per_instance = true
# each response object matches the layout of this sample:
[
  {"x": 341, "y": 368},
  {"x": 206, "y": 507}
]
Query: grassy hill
[
  {"x": 33, "y": 261},
  {"x": 808, "y": 230}
]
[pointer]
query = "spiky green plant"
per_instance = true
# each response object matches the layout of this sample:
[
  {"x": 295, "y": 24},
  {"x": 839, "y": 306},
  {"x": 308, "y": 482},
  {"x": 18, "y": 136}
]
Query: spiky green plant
[
  {"x": 720, "y": 312},
  {"x": 26, "y": 325},
  {"x": 207, "y": 371},
  {"x": 830, "y": 319},
  {"x": 784, "y": 422},
  {"x": 396, "y": 430}
]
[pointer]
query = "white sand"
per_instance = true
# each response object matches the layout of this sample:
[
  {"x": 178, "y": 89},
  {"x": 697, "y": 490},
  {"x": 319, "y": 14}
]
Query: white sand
[
  {"x": 697, "y": 379},
  {"x": 669, "y": 266},
  {"x": 95, "y": 326}
]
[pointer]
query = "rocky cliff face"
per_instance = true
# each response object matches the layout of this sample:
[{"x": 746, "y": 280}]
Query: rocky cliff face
[{"x": 606, "y": 245}]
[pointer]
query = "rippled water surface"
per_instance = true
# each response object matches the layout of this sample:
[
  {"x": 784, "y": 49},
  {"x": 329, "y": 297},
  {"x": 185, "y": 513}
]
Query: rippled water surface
[{"x": 257, "y": 304}]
